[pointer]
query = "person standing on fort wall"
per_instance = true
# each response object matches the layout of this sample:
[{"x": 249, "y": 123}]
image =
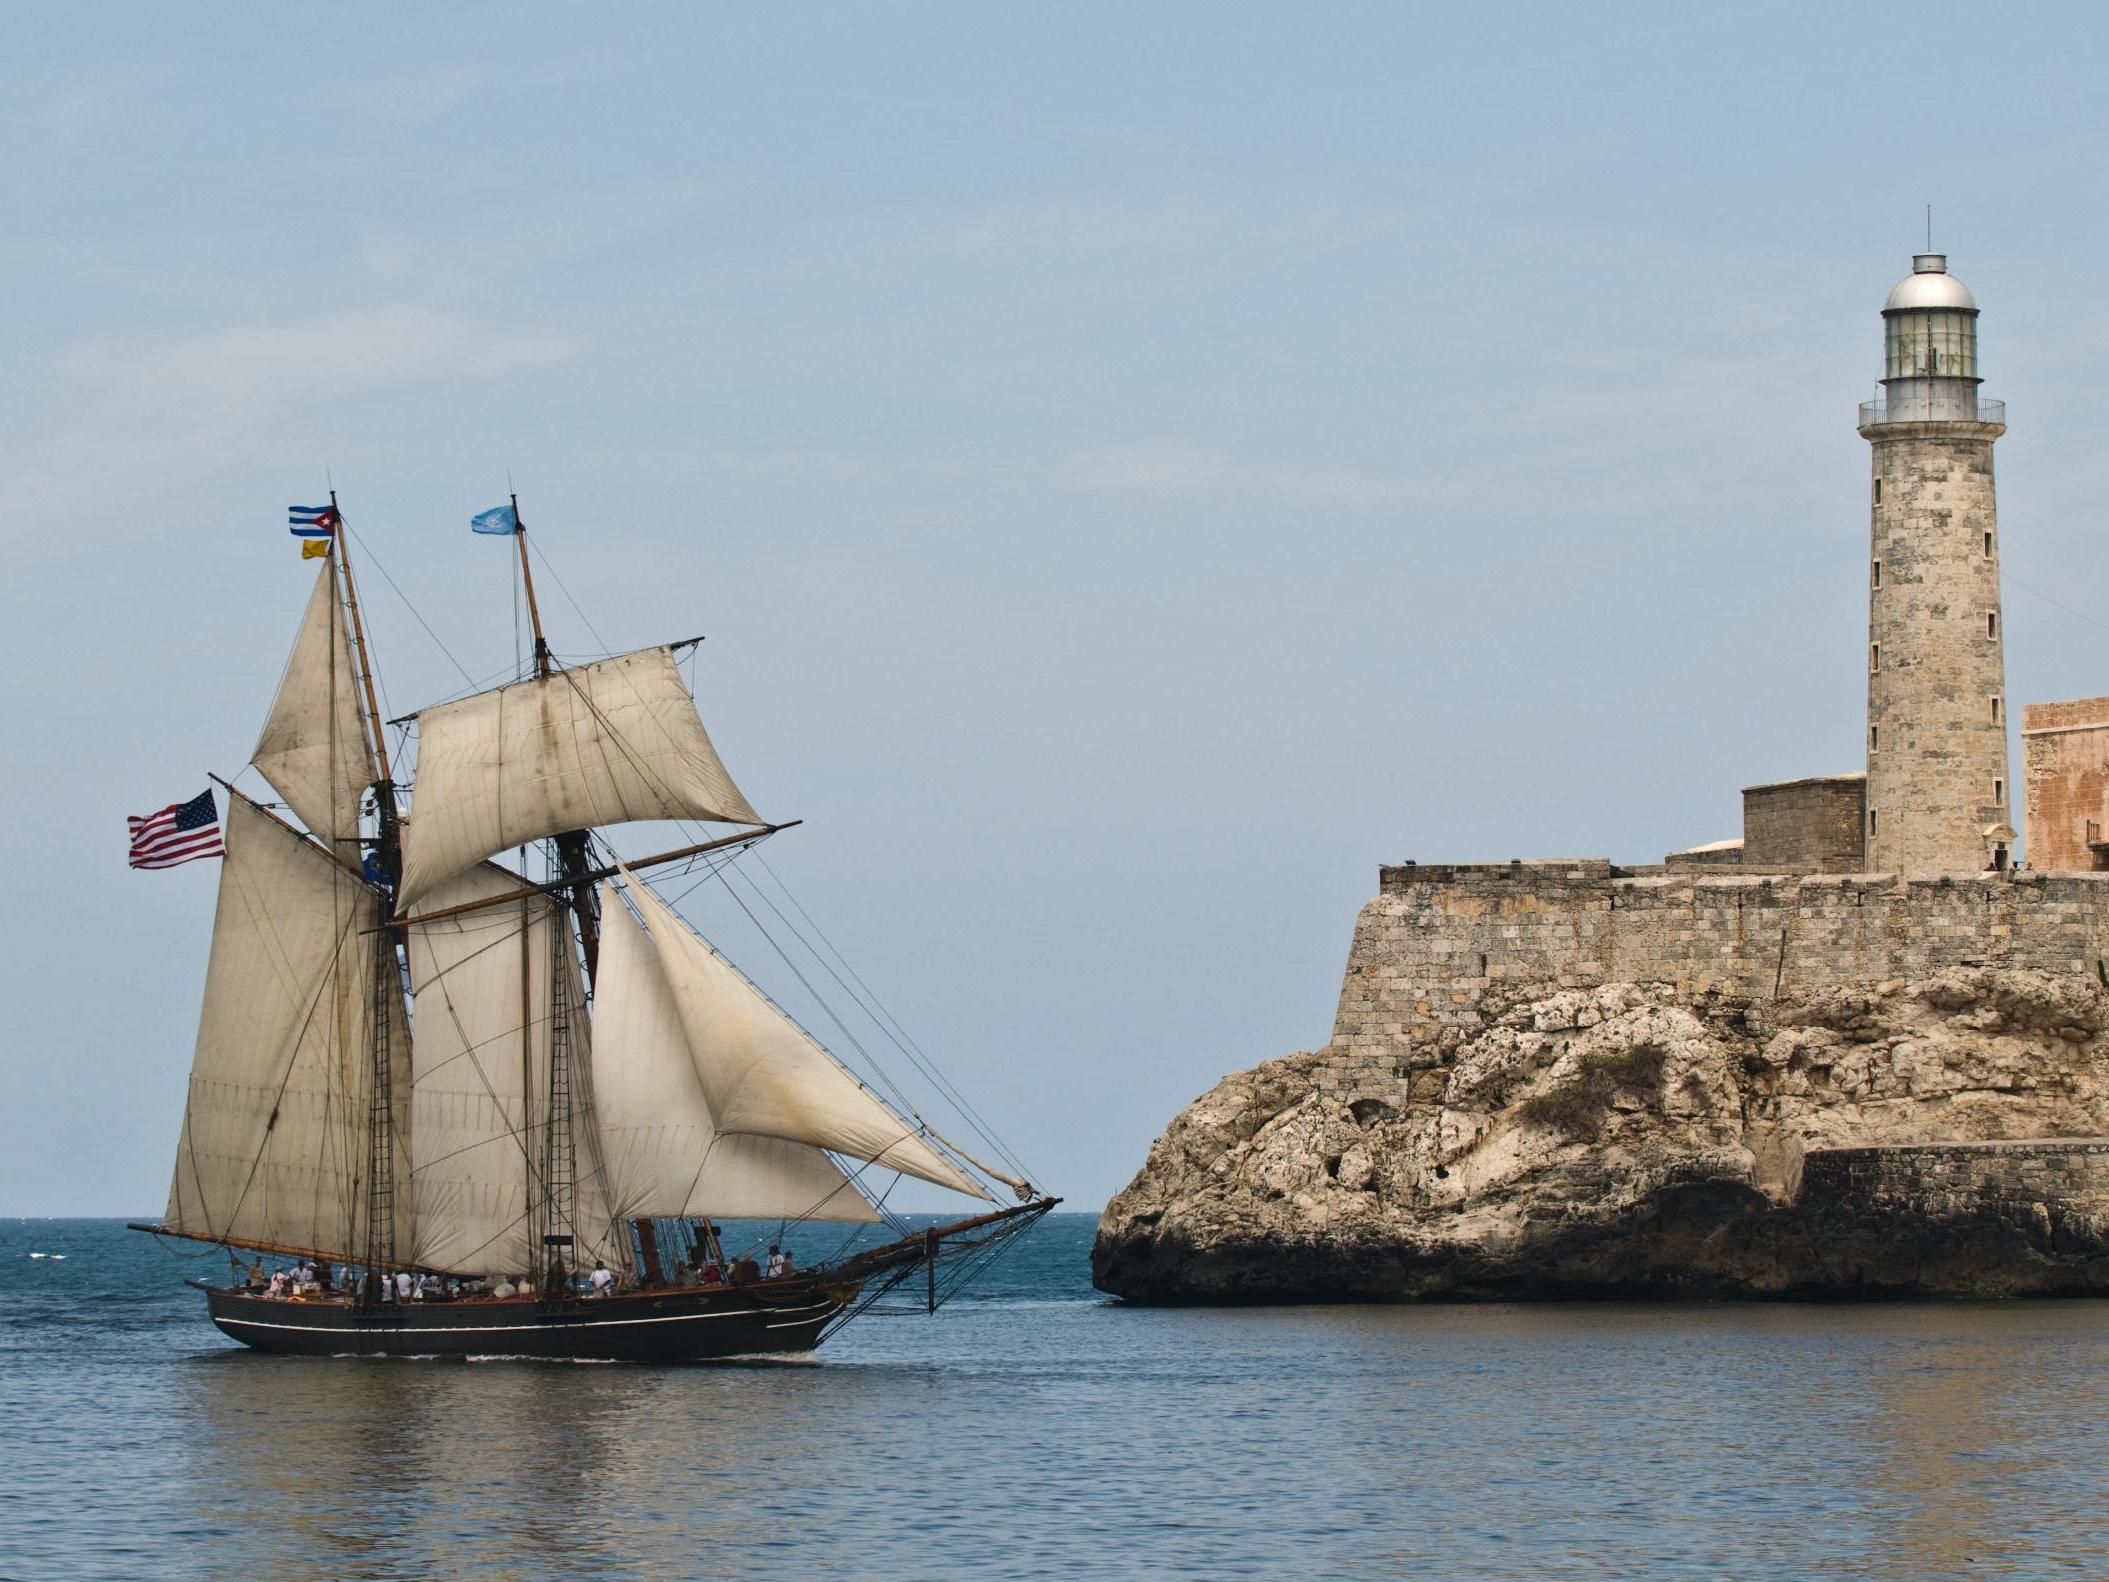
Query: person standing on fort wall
[{"x": 1938, "y": 790}]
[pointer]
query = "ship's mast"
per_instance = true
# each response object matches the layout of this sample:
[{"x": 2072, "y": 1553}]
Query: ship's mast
[
  {"x": 379, "y": 1249},
  {"x": 557, "y": 1212},
  {"x": 389, "y": 843},
  {"x": 572, "y": 850}
]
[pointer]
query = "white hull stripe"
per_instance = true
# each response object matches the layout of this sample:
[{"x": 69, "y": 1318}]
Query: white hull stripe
[{"x": 586, "y": 1325}]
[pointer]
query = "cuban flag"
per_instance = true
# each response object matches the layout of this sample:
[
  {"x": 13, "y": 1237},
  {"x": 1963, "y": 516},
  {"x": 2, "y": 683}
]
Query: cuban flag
[{"x": 312, "y": 521}]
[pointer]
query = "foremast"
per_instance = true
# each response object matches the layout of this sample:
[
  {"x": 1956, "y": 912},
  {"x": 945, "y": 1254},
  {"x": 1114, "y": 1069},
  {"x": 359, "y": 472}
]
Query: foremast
[
  {"x": 296, "y": 1097},
  {"x": 380, "y": 1249}
]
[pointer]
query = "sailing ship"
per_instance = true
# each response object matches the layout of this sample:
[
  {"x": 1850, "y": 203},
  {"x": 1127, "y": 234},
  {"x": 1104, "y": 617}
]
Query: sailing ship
[{"x": 420, "y": 1069}]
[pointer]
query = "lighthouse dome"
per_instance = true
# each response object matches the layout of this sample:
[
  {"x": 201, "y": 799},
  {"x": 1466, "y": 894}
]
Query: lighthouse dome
[{"x": 1929, "y": 285}]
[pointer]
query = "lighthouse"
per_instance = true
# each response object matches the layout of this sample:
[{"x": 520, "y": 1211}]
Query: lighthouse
[{"x": 1938, "y": 792}]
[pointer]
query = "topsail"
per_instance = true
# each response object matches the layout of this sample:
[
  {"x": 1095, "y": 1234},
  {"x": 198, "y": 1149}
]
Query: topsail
[
  {"x": 314, "y": 748},
  {"x": 605, "y": 743}
]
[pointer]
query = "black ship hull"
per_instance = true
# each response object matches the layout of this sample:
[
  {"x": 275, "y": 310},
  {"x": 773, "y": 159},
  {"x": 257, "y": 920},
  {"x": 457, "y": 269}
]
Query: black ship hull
[{"x": 678, "y": 1324}]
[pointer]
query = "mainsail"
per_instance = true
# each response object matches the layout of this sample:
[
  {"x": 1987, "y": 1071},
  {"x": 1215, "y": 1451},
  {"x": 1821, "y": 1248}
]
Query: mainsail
[
  {"x": 605, "y": 743},
  {"x": 314, "y": 748},
  {"x": 496, "y": 992},
  {"x": 275, "y": 1143},
  {"x": 666, "y": 1157},
  {"x": 760, "y": 1072}
]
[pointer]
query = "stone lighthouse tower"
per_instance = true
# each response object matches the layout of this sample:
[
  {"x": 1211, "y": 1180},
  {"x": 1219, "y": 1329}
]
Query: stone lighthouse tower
[{"x": 1938, "y": 792}]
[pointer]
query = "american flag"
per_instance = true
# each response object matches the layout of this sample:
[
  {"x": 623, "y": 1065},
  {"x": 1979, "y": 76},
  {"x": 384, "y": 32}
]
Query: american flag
[{"x": 180, "y": 832}]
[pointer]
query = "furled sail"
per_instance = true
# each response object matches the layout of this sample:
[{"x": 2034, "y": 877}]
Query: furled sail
[
  {"x": 665, "y": 1156},
  {"x": 274, "y": 1144},
  {"x": 488, "y": 989},
  {"x": 314, "y": 749},
  {"x": 762, "y": 1074},
  {"x": 603, "y": 744}
]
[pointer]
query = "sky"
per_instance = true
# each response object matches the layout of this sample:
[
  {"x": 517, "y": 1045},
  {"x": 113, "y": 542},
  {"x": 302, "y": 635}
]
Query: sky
[{"x": 1139, "y": 467}]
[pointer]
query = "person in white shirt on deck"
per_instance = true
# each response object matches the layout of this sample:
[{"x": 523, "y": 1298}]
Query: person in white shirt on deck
[
  {"x": 404, "y": 1285},
  {"x": 601, "y": 1281},
  {"x": 779, "y": 1265}
]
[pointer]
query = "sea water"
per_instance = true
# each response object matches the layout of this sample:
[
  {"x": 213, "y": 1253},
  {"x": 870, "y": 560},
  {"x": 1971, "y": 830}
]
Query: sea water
[{"x": 1034, "y": 1429}]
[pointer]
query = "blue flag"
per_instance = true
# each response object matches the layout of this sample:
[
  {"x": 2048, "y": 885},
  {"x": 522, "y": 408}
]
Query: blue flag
[{"x": 498, "y": 519}]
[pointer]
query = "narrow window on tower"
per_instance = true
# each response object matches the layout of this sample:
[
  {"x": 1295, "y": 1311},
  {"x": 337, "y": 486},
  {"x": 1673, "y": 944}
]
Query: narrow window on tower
[
  {"x": 1870, "y": 821},
  {"x": 1995, "y": 711},
  {"x": 1878, "y": 491},
  {"x": 1876, "y": 580},
  {"x": 1874, "y": 738},
  {"x": 1874, "y": 657},
  {"x": 1988, "y": 546},
  {"x": 1999, "y": 793},
  {"x": 1991, "y": 623}
]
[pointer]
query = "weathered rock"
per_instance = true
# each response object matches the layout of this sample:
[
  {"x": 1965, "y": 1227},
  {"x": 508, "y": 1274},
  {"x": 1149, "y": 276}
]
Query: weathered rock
[{"x": 1632, "y": 1140}]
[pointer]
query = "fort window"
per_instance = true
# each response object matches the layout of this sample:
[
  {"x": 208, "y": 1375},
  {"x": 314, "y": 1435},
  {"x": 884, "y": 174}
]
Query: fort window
[
  {"x": 1999, "y": 793},
  {"x": 1874, "y": 738},
  {"x": 1876, "y": 580},
  {"x": 1878, "y": 491},
  {"x": 1991, "y": 623},
  {"x": 1870, "y": 821},
  {"x": 1995, "y": 711},
  {"x": 1874, "y": 657},
  {"x": 1988, "y": 546}
]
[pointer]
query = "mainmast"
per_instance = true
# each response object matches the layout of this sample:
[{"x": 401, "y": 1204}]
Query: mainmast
[
  {"x": 557, "y": 1212},
  {"x": 573, "y": 854}
]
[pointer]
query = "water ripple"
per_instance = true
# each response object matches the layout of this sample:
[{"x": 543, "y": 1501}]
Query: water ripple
[{"x": 1040, "y": 1431}]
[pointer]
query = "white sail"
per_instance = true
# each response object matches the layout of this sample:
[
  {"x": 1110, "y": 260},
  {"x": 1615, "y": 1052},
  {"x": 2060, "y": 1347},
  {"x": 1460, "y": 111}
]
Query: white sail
[
  {"x": 314, "y": 749},
  {"x": 606, "y": 743},
  {"x": 761, "y": 1074},
  {"x": 665, "y": 1156},
  {"x": 274, "y": 1144},
  {"x": 485, "y": 999}
]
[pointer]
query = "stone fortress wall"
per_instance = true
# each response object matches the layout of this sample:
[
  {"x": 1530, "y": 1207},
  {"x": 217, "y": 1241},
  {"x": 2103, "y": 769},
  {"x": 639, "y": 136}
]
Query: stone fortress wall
[
  {"x": 2032, "y": 1183},
  {"x": 1438, "y": 938}
]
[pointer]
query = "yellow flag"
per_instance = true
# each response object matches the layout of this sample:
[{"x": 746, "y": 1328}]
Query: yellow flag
[{"x": 314, "y": 548}]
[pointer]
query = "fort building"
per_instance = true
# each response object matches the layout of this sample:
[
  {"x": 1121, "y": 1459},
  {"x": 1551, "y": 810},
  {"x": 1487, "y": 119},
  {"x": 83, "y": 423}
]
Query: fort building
[{"x": 1904, "y": 869}]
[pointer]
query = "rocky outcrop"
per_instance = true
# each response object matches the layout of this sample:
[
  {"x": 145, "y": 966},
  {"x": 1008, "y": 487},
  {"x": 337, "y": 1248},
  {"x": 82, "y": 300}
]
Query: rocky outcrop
[{"x": 1632, "y": 1140}]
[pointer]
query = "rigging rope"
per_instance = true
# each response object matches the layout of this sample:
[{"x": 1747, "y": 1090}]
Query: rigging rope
[
  {"x": 550, "y": 566},
  {"x": 887, "y": 1022},
  {"x": 866, "y": 1001},
  {"x": 367, "y": 550}
]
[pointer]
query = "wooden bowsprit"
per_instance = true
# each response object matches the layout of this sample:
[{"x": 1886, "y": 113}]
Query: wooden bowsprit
[{"x": 946, "y": 1255}]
